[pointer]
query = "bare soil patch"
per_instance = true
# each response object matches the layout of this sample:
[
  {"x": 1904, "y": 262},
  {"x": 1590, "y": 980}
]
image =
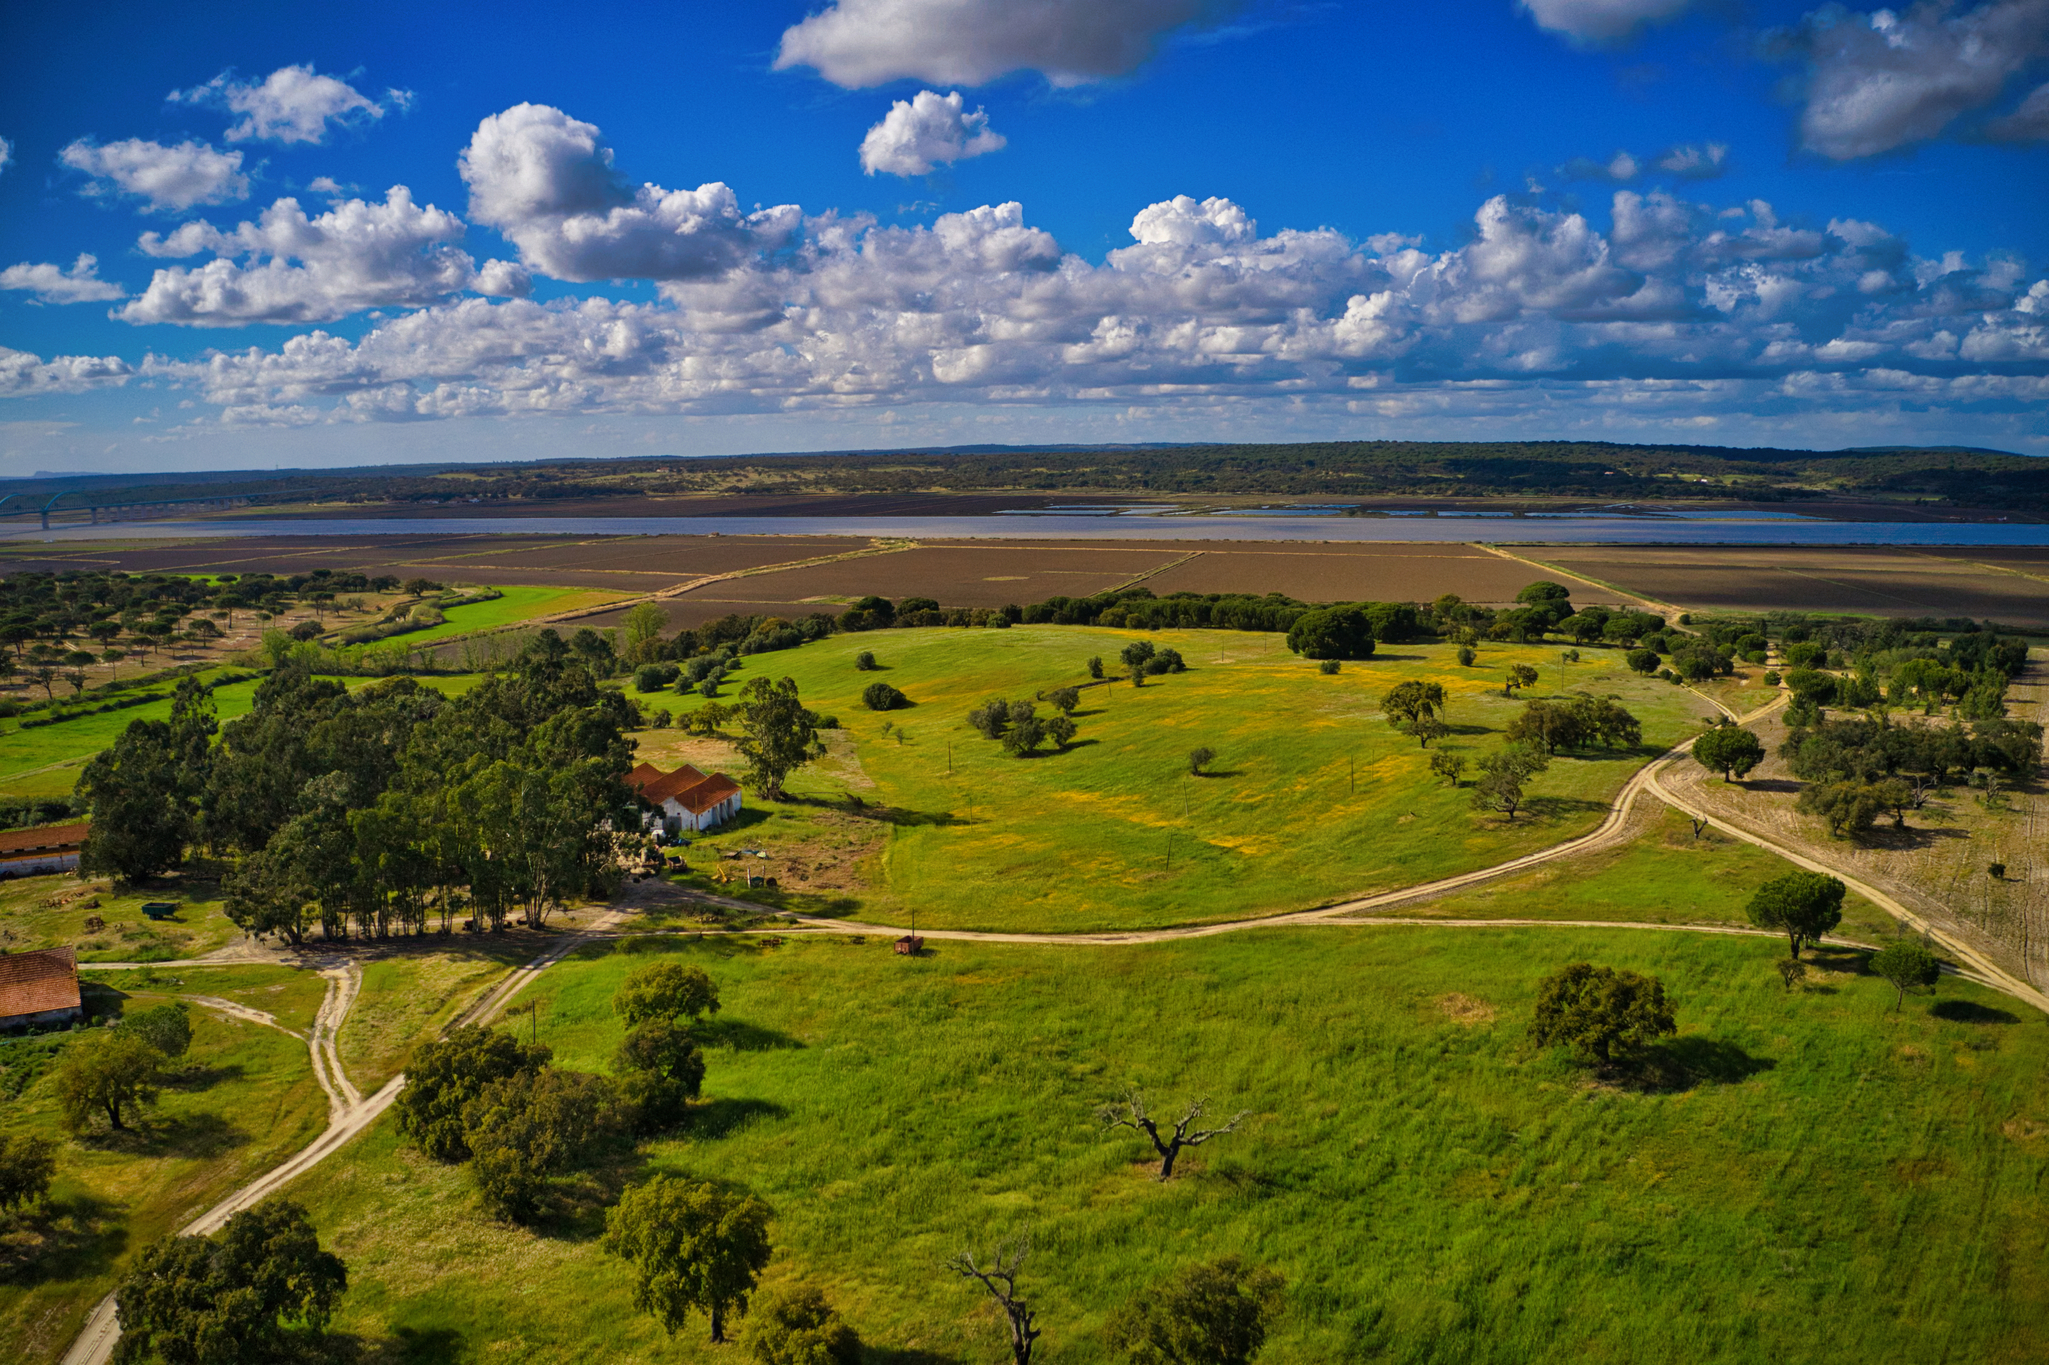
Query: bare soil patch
[
  {"x": 1376, "y": 573},
  {"x": 1885, "y": 582}
]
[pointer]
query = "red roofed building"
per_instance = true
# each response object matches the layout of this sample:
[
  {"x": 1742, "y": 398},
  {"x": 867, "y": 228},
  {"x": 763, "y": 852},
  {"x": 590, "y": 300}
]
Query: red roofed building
[
  {"x": 687, "y": 798},
  {"x": 39, "y": 988},
  {"x": 47, "y": 848}
]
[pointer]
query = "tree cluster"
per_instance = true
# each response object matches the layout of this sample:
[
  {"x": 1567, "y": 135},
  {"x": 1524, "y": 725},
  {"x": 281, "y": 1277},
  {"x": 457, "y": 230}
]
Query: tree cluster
[
  {"x": 110, "y": 1073},
  {"x": 481, "y": 1096},
  {"x": 370, "y": 808},
  {"x": 1576, "y": 722},
  {"x": 1018, "y": 726},
  {"x": 231, "y": 1299},
  {"x": 1860, "y": 768}
]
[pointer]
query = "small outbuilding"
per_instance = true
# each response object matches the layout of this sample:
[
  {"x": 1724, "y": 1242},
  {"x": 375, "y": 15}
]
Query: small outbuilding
[
  {"x": 46, "y": 848},
  {"x": 910, "y": 945},
  {"x": 39, "y": 988}
]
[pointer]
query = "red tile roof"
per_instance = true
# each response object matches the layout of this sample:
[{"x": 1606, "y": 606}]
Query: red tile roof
[
  {"x": 642, "y": 774},
  {"x": 43, "y": 838},
  {"x": 704, "y": 795},
  {"x": 662, "y": 788},
  {"x": 46, "y": 979}
]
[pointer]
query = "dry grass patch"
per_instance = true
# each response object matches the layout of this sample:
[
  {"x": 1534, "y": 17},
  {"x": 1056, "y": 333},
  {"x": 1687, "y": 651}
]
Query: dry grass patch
[{"x": 1466, "y": 1010}]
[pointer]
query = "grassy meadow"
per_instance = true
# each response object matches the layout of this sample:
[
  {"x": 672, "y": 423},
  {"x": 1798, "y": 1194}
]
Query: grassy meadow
[
  {"x": 245, "y": 1100},
  {"x": 1666, "y": 875},
  {"x": 1834, "y": 1182},
  {"x": 1313, "y": 797}
]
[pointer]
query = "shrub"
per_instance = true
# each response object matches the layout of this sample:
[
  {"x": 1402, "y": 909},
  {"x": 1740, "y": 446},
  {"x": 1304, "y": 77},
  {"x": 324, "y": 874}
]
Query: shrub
[
  {"x": 1327, "y": 666},
  {"x": 1604, "y": 1015},
  {"x": 1643, "y": 661},
  {"x": 797, "y": 1326},
  {"x": 880, "y": 696},
  {"x": 1466, "y": 656},
  {"x": 1332, "y": 633},
  {"x": 1198, "y": 759},
  {"x": 864, "y": 662}
]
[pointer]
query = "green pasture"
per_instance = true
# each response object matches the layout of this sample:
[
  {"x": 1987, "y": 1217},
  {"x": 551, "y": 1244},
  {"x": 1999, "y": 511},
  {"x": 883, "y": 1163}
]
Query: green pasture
[
  {"x": 1668, "y": 874},
  {"x": 246, "y": 1101},
  {"x": 1314, "y": 797},
  {"x": 1832, "y": 1181},
  {"x": 412, "y": 994},
  {"x": 510, "y": 607},
  {"x": 51, "y": 911}
]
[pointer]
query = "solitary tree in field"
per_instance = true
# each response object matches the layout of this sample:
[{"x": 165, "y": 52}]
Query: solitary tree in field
[
  {"x": 1519, "y": 676},
  {"x": 106, "y": 1073},
  {"x": 693, "y": 1247},
  {"x": 665, "y": 990},
  {"x": 1644, "y": 661},
  {"x": 1792, "y": 971},
  {"x": 1198, "y": 759},
  {"x": 1411, "y": 701},
  {"x": 1450, "y": 767},
  {"x": 999, "y": 1278},
  {"x": 1905, "y": 963},
  {"x": 525, "y": 1128},
  {"x": 778, "y": 734},
  {"x": 1214, "y": 1314},
  {"x": 1729, "y": 750},
  {"x": 1065, "y": 699},
  {"x": 1604, "y": 1015},
  {"x": 1503, "y": 775},
  {"x": 1130, "y": 1112},
  {"x": 1802, "y": 905},
  {"x": 1426, "y": 728}
]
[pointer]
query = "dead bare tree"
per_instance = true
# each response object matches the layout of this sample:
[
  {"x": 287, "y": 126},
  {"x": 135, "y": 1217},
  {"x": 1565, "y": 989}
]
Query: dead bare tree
[
  {"x": 1129, "y": 1112},
  {"x": 1000, "y": 1279}
]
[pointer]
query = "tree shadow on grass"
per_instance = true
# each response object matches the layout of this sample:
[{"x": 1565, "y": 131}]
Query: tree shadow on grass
[
  {"x": 573, "y": 1209},
  {"x": 727, "y": 1115},
  {"x": 1683, "y": 1063},
  {"x": 62, "y": 1239},
  {"x": 202, "y": 1137},
  {"x": 1559, "y": 807},
  {"x": 196, "y": 1078},
  {"x": 1971, "y": 1012},
  {"x": 742, "y": 1036},
  {"x": 406, "y": 1346}
]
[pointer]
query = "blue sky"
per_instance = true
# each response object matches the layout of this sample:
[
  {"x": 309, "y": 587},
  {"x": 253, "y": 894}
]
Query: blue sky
[{"x": 602, "y": 230}]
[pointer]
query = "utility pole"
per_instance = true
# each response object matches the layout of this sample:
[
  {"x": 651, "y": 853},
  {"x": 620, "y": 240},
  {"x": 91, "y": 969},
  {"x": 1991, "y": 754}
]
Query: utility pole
[
  {"x": 949, "y": 758},
  {"x": 1170, "y": 850},
  {"x": 1355, "y": 774}
]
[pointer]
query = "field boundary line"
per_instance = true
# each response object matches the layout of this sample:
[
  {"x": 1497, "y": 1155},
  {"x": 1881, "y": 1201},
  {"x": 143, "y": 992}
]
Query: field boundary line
[
  {"x": 1158, "y": 569},
  {"x": 1653, "y": 603}
]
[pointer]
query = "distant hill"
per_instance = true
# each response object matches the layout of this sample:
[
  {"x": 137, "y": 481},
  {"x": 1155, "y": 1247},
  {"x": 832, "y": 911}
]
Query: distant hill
[{"x": 1958, "y": 477}]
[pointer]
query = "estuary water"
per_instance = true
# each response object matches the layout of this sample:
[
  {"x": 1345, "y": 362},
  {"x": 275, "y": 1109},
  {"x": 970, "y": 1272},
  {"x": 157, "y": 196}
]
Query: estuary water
[{"x": 1611, "y": 529}]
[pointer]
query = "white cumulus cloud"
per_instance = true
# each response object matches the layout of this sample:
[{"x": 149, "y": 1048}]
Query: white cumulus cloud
[
  {"x": 291, "y": 268},
  {"x": 861, "y": 43},
  {"x": 291, "y": 104},
  {"x": 23, "y": 375},
  {"x": 1601, "y": 21},
  {"x": 171, "y": 179},
  {"x": 546, "y": 181},
  {"x": 926, "y": 131},
  {"x": 1694, "y": 161},
  {"x": 53, "y": 284},
  {"x": 6, "y": 153},
  {"x": 1884, "y": 80}
]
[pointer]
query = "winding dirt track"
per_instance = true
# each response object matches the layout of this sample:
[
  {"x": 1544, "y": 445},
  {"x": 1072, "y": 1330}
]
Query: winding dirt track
[{"x": 350, "y": 1113}]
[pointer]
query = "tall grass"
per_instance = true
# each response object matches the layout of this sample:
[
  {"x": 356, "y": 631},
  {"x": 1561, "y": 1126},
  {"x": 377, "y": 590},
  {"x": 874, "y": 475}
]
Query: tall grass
[{"x": 1836, "y": 1182}]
